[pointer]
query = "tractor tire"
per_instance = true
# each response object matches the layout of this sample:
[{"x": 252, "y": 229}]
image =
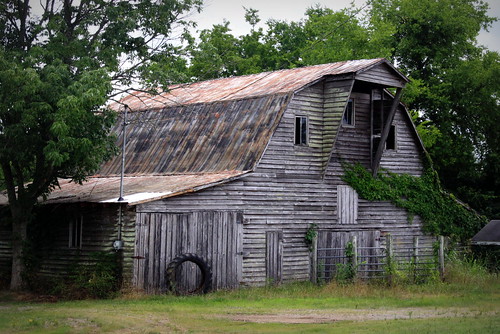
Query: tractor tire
[{"x": 205, "y": 284}]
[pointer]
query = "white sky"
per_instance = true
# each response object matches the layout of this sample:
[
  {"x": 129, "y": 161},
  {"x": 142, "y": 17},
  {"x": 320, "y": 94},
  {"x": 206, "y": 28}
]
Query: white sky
[{"x": 293, "y": 10}]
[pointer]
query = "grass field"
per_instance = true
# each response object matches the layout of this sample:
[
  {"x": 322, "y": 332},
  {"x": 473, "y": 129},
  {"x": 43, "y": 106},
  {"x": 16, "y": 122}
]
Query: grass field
[{"x": 468, "y": 304}]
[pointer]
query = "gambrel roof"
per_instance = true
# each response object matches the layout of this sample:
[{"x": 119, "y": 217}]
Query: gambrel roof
[
  {"x": 378, "y": 71},
  {"x": 217, "y": 130}
]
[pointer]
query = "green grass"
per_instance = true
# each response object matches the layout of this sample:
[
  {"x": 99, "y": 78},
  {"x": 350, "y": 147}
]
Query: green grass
[{"x": 465, "y": 304}]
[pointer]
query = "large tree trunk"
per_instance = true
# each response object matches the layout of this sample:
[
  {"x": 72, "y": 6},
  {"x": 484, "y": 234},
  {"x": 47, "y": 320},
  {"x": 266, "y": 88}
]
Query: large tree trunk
[{"x": 19, "y": 235}]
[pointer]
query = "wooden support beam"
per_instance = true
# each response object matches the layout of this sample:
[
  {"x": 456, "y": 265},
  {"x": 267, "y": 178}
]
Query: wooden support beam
[{"x": 385, "y": 131}]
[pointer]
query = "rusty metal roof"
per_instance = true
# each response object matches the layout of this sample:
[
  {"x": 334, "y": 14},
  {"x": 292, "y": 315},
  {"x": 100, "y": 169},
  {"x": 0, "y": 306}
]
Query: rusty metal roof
[
  {"x": 248, "y": 86},
  {"x": 136, "y": 189},
  {"x": 208, "y": 138}
]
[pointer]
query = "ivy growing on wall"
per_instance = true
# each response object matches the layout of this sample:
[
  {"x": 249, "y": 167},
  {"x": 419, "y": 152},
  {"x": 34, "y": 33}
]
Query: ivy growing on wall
[{"x": 441, "y": 212}]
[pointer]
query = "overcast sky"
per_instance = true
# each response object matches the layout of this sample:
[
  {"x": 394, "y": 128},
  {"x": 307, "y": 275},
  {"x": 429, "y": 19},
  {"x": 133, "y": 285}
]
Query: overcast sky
[{"x": 293, "y": 10}]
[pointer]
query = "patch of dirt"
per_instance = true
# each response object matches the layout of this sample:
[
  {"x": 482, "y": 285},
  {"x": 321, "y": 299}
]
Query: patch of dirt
[{"x": 328, "y": 316}]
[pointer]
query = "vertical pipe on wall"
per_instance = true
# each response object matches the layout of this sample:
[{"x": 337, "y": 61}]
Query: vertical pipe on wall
[{"x": 123, "y": 152}]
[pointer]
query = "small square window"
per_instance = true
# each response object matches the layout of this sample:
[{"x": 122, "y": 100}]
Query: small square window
[
  {"x": 348, "y": 118},
  {"x": 75, "y": 232},
  {"x": 301, "y": 130}
]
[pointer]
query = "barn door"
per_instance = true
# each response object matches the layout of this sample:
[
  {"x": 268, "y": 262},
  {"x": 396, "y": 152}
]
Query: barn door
[
  {"x": 274, "y": 256},
  {"x": 213, "y": 235}
]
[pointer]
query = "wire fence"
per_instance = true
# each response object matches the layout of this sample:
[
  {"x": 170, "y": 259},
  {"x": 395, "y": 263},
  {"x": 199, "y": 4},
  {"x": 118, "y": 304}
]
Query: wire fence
[{"x": 416, "y": 262}]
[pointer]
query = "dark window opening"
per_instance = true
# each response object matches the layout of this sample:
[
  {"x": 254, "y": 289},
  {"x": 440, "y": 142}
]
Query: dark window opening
[
  {"x": 378, "y": 118},
  {"x": 300, "y": 130},
  {"x": 75, "y": 232},
  {"x": 390, "y": 144},
  {"x": 348, "y": 118}
]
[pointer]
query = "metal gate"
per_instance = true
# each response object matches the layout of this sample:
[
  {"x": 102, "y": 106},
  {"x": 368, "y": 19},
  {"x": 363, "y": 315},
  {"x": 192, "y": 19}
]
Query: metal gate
[{"x": 331, "y": 247}]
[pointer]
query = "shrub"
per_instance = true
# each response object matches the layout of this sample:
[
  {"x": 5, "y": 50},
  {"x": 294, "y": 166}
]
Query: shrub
[{"x": 98, "y": 278}]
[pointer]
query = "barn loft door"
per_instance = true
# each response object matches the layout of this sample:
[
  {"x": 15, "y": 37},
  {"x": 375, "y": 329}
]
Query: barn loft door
[
  {"x": 274, "y": 256},
  {"x": 347, "y": 205},
  {"x": 213, "y": 235}
]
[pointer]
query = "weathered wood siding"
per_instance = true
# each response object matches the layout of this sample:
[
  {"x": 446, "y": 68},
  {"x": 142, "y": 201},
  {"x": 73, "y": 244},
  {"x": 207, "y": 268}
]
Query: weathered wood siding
[
  {"x": 353, "y": 145},
  {"x": 331, "y": 247},
  {"x": 99, "y": 231},
  {"x": 160, "y": 237},
  {"x": 5, "y": 252},
  {"x": 381, "y": 74}
]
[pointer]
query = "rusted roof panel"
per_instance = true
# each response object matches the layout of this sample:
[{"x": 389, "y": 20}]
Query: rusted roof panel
[
  {"x": 227, "y": 135},
  {"x": 136, "y": 189},
  {"x": 248, "y": 86}
]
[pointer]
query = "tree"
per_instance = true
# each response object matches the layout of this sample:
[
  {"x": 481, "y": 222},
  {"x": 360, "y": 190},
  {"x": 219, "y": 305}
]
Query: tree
[
  {"x": 57, "y": 70},
  {"x": 216, "y": 55},
  {"x": 454, "y": 87},
  {"x": 339, "y": 35}
]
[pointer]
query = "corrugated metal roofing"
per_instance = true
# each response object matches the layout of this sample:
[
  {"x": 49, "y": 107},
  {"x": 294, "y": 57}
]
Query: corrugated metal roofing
[
  {"x": 227, "y": 135},
  {"x": 248, "y": 86},
  {"x": 136, "y": 189}
]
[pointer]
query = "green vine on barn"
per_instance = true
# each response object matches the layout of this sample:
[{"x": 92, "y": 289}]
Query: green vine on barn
[{"x": 440, "y": 211}]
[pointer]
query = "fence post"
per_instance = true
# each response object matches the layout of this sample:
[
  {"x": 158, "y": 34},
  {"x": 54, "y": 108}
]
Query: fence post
[
  {"x": 389, "y": 258},
  {"x": 314, "y": 260},
  {"x": 415, "y": 257},
  {"x": 354, "y": 258},
  {"x": 441, "y": 257}
]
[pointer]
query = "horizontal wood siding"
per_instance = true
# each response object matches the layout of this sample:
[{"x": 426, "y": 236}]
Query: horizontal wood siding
[
  {"x": 5, "y": 253},
  {"x": 383, "y": 75},
  {"x": 336, "y": 95},
  {"x": 99, "y": 231},
  {"x": 128, "y": 238},
  {"x": 406, "y": 158}
]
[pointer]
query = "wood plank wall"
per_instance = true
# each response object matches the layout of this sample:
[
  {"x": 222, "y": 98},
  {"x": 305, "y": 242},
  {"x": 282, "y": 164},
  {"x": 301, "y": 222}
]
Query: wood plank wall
[
  {"x": 5, "y": 253},
  {"x": 99, "y": 231},
  {"x": 213, "y": 235}
]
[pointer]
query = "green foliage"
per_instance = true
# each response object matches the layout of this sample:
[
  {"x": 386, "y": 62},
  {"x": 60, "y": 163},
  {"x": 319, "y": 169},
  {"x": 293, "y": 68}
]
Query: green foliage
[
  {"x": 99, "y": 278},
  {"x": 58, "y": 68},
  {"x": 441, "y": 212},
  {"x": 311, "y": 234},
  {"x": 468, "y": 269},
  {"x": 345, "y": 273}
]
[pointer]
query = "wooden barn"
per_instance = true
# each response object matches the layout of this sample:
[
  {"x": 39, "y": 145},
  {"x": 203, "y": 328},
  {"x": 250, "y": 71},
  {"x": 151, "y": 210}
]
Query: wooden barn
[{"x": 236, "y": 170}]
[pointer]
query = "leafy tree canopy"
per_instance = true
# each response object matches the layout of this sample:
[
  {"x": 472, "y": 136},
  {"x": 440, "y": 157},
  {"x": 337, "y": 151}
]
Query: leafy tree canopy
[{"x": 60, "y": 62}]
